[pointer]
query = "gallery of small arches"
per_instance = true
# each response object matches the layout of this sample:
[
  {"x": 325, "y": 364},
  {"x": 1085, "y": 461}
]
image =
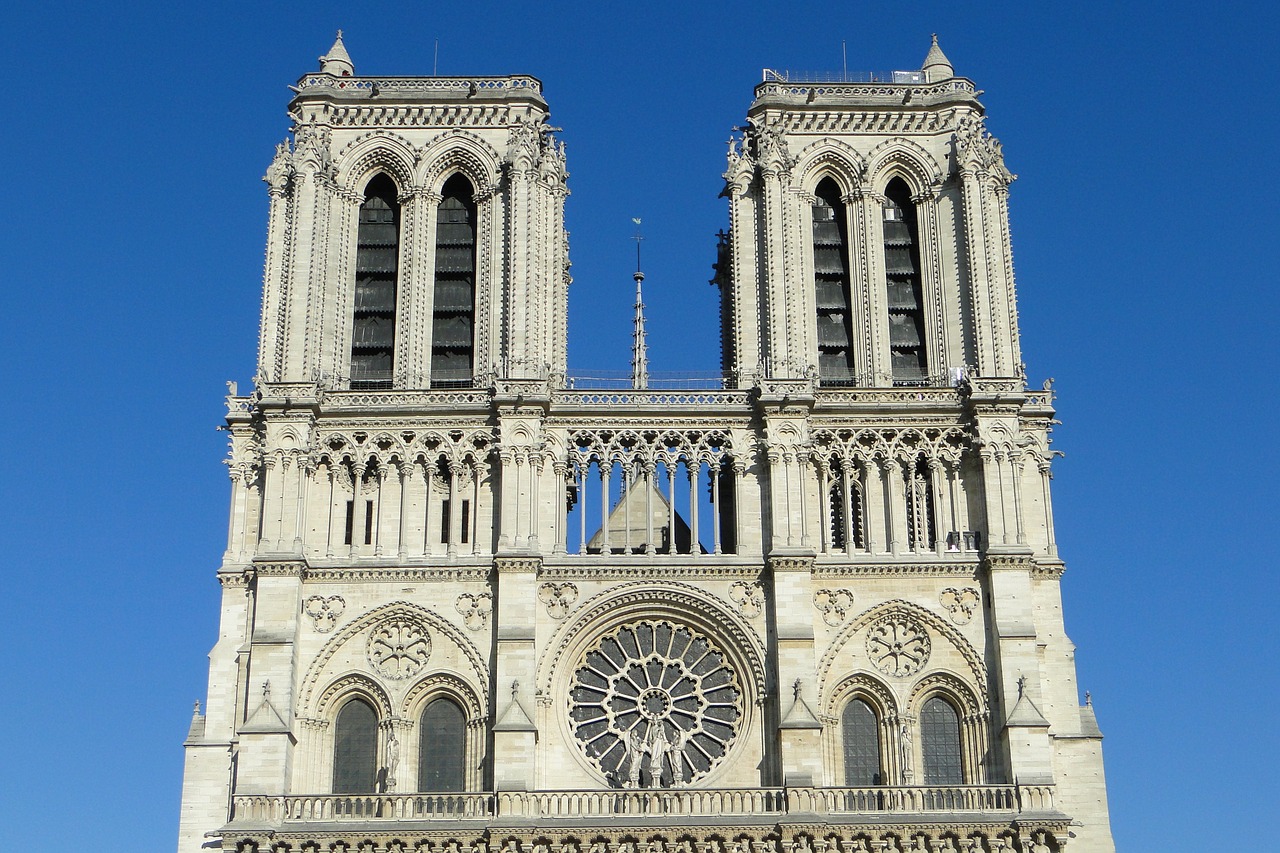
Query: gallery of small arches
[
  {"x": 367, "y": 757},
  {"x": 378, "y": 286}
]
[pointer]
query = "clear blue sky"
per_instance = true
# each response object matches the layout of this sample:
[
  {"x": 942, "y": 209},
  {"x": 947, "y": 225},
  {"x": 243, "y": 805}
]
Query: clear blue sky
[{"x": 1145, "y": 233}]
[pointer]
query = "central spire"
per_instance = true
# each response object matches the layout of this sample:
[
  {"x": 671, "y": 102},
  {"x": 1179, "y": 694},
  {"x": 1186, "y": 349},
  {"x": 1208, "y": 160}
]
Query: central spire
[{"x": 639, "y": 351}]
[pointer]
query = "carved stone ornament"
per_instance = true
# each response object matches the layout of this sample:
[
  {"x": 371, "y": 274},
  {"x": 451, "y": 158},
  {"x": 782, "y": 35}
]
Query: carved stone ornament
[
  {"x": 558, "y": 597},
  {"x": 399, "y": 647},
  {"x": 959, "y": 603},
  {"x": 655, "y": 705},
  {"x": 835, "y": 605},
  {"x": 324, "y": 612},
  {"x": 748, "y": 596},
  {"x": 898, "y": 645},
  {"x": 475, "y": 609}
]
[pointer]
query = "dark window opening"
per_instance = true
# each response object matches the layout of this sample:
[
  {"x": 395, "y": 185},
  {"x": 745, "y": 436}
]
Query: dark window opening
[
  {"x": 831, "y": 286},
  {"x": 442, "y": 747},
  {"x": 453, "y": 311},
  {"x": 351, "y": 523},
  {"x": 920, "y": 525},
  {"x": 444, "y": 522},
  {"x": 373, "y": 332},
  {"x": 860, "y": 733},
  {"x": 368, "y": 522},
  {"x": 940, "y": 743},
  {"x": 355, "y": 748},
  {"x": 902, "y": 280},
  {"x": 466, "y": 522}
]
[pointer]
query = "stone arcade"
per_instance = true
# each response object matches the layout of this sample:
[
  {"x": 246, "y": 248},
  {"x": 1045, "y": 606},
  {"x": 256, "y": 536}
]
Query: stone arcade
[{"x": 469, "y": 605}]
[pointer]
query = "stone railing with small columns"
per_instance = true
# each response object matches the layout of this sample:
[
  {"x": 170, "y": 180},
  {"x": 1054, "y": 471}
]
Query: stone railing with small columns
[{"x": 767, "y": 803}]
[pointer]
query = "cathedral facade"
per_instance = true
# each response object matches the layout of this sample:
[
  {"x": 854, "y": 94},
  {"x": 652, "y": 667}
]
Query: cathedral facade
[{"x": 470, "y": 605}]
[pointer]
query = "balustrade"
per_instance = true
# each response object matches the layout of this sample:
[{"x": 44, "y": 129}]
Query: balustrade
[{"x": 666, "y": 802}]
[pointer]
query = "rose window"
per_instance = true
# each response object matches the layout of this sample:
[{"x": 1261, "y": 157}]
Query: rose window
[
  {"x": 898, "y": 645},
  {"x": 399, "y": 647},
  {"x": 655, "y": 705}
]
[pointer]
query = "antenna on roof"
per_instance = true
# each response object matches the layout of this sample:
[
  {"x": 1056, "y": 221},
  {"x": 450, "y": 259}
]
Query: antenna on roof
[
  {"x": 844, "y": 56},
  {"x": 435, "y": 60}
]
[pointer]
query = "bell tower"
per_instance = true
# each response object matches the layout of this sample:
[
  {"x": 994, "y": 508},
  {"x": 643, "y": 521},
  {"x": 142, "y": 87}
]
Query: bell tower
[{"x": 416, "y": 234}]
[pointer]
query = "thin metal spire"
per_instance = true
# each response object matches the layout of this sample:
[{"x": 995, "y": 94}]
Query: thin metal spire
[{"x": 639, "y": 350}]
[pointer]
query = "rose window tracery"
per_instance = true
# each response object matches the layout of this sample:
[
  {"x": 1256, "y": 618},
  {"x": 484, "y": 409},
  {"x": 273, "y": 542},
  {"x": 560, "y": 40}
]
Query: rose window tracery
[
  {"x": 655, "y": 705},
  {"x": 898, "y": 645},
  {"x": 399, "y": 647}
]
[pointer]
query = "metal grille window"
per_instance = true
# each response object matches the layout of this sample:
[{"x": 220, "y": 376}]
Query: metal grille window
[
  {"x": 940, "y": 743},
  {"x": 442, "y": 747},
  {"x": 355, "y": 748},
  {"x": 373, "y": 332},
  {"x": 453, "y": 314},
  {"x": 902, "y": 280},
  {"x": 860, "y": 731},
  {"x": 831, "y": 285}
]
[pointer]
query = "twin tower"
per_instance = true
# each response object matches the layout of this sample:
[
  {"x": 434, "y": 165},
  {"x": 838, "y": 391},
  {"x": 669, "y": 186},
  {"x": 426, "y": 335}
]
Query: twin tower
[{"x": 468, "y": 605}]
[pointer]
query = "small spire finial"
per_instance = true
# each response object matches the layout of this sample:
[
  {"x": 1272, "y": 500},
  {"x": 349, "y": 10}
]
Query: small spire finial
[
  {"x": 936, "y": 65},
  {"x": 196, "y": 711},
  {"x": 935, "y": 38},
  {"x": 337, "y": 61},
  {"x": 1088, "y": 699}
]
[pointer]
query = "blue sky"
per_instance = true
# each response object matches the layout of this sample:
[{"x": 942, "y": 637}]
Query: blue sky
[{"x": 1144, "y": 136}]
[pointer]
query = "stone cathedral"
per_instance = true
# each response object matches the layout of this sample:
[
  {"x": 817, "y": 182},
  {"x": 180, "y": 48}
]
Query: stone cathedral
[{"x": 471, "y": 604}]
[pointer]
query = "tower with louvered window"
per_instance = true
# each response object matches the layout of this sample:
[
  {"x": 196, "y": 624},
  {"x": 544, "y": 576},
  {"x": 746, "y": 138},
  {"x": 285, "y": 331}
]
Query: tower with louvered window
[{"x": 471, "y": 601}]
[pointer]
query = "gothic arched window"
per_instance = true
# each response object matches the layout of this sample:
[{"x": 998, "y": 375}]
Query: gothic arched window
[
  {"x": 860, "y": 734},
  {"x": 373, "y": 332},
  {"x": 902, "y": 277},
  {"x": 831, "y": 286},
  {"x": 453, "y": 313},
  {"x": 355, "y": 748},
  {"x": 442, "y": 744},
  {"x": 940, "y": 743}
]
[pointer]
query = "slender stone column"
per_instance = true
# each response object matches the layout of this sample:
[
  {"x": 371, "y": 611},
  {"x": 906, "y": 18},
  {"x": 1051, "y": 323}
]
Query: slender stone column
[
  {"x": 357, "y": 475},
  {"x": 850, "y": 523},
  {"x": 605, "y": 470},
  {"x": 305, "y": 469},
  {"x": 649, "y": 470},
  {"x": 535, "y": 499},
  {"x": 455, "y": 508},
  {"x": 333, "y": 507},
  {"x": 405, "y": 471},
  {"x": 895, "y": 503},
  {"x": 937, "y": 476},
  {"x": 715, "y": 510},
  {"x": 237, "y": 499},
  {"x": 429, "y": 466},
  {"x": 1015, "y": 471},
  {"x": 824, "y": 510},
  {"x": 695, "y": 475},
  {"x": 377, "y": 518},
  {"x": 1046, "y": 475}
]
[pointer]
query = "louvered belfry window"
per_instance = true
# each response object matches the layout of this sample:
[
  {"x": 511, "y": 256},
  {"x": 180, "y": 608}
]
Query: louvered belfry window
[
  {"x": 831, "y": 286},
  {"x": 453, "y": 320},
  {"x": 902, "y": 277},
  {"x": 940, "y": 743},
  {"x": 373, "y": 333},
  {"x": 442, "y": 747},
  {"x": 355, "y": 748},
  {"x": 860, "y": 732}
]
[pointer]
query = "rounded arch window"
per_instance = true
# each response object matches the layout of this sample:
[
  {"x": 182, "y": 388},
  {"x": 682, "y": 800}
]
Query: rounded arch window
[
  {"x": 940, "y": 743},
  {"x": 442, "y": 744},
  {"x": 355, "y": 748},
  {"x": 860, "y": 737}
]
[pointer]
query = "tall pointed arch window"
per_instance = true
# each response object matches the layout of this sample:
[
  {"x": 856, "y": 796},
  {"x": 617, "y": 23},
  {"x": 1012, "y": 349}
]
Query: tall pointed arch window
[
  {"x": 940, "y": 743},
  {"x": 902, "y": 278},
  {"x": 831, "y": 286},
  {"x": 860, "y": 737},
  {"x": 373, "y": 333},
  {"x": 442, "y": 744},
  {"x": 355, "y": 748},
  {"x": 453, "y": 314}
]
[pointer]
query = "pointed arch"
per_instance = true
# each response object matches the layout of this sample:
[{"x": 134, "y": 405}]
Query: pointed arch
[
  {"x": 377, "y": 152},
  {"x": 459, "y": 151},
  {"x": 905, "y": 159},
  {"x": 830, "y": 158}
]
